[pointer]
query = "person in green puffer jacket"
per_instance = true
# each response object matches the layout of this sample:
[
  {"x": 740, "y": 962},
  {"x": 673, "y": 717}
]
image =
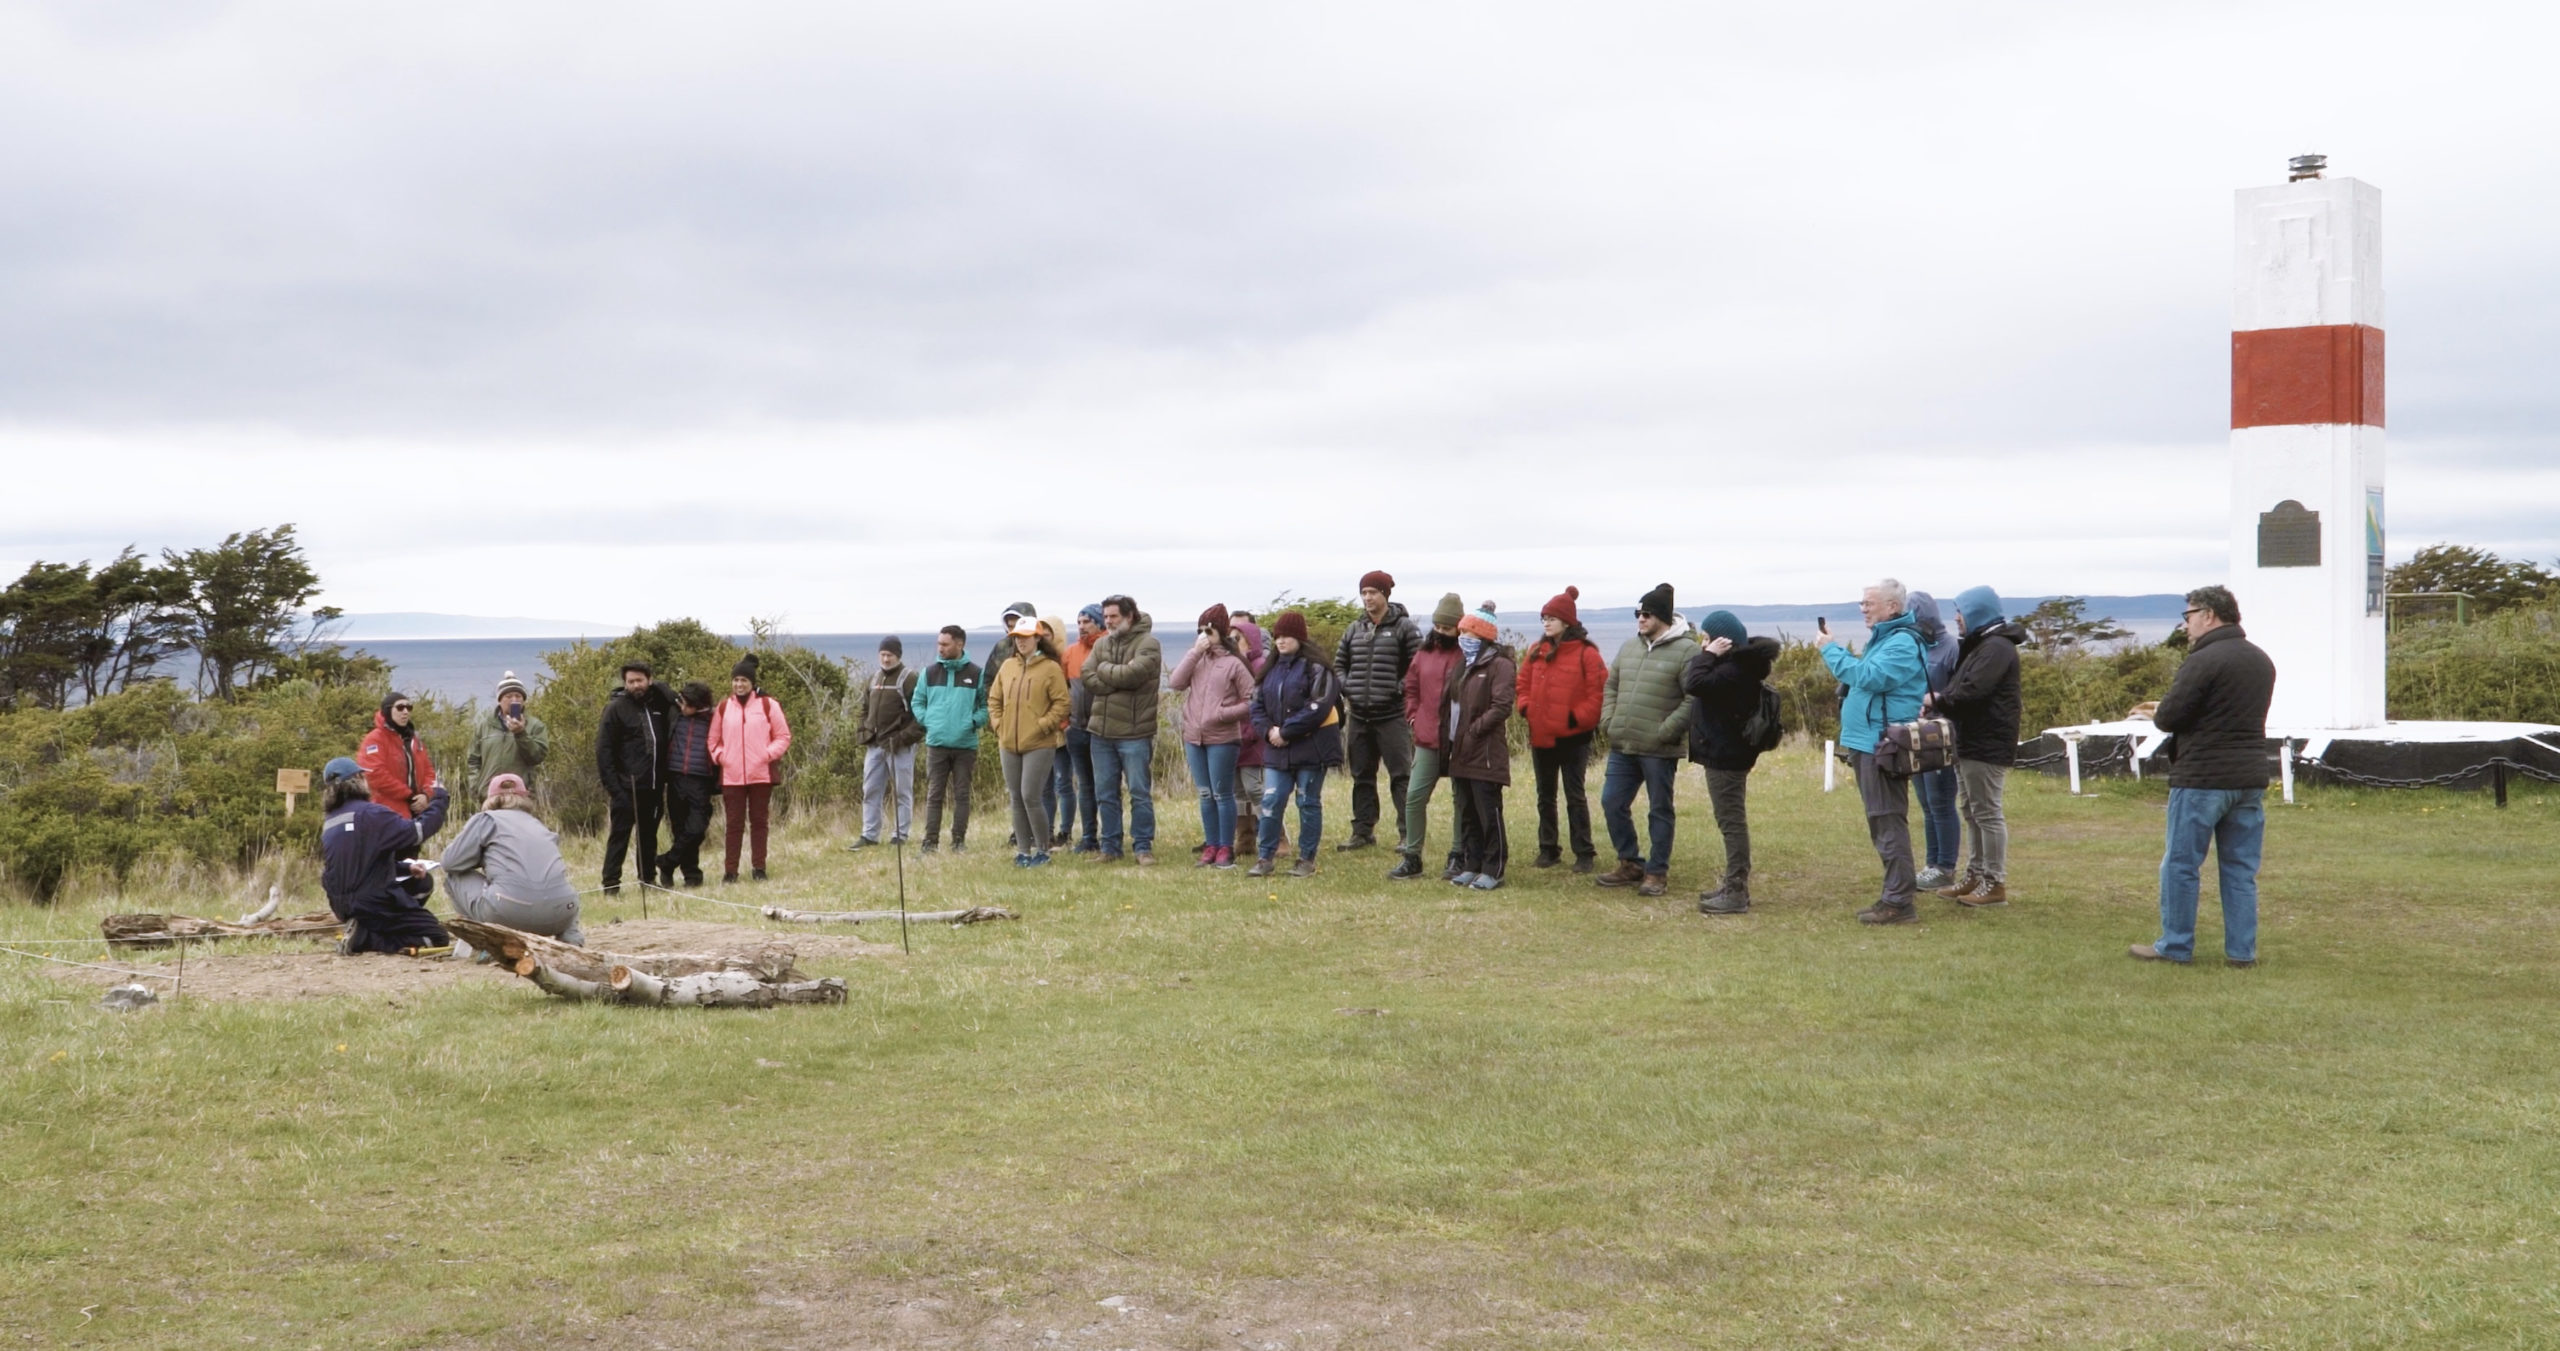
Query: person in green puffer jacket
[
  {"x": 1645, "y": 715},
  {"x": 1124, "y": 674}
]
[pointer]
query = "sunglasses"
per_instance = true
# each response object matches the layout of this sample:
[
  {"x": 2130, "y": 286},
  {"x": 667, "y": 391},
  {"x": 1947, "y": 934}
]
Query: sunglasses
[
  {"x": 2192, "y": 612},
  {"x": 399, "y": 708}
]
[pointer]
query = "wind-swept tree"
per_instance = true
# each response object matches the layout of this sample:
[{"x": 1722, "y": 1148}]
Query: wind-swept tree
[{"x": 244, "y": 604}]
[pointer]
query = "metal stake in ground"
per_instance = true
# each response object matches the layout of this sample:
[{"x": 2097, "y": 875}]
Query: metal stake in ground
[{"x": 902, "y": 898}]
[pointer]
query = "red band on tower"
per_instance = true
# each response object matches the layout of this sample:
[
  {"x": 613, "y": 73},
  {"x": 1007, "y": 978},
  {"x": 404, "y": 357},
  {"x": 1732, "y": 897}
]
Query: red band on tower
[{"x": 2291, "y": 377}]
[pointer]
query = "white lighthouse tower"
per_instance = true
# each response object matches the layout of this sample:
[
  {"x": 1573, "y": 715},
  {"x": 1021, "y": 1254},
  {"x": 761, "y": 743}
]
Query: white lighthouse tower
[{"x": 2306, "y": 444}]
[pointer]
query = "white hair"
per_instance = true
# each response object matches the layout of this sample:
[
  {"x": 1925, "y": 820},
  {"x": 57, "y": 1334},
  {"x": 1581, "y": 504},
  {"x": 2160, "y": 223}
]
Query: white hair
[{"x": 1893, "y": 593}]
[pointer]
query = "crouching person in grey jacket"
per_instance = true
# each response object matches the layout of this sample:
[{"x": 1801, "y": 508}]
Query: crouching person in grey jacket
[{"x": 505, "y": 868}]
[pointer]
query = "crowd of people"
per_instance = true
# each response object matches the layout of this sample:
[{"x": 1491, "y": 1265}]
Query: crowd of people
[{"x": 1264, "y": 719}]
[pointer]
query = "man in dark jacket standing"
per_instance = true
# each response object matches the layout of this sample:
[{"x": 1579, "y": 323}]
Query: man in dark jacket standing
[
  {"x": 1125, "y": 676},
  {"x": 631, "y": 760},
  {"x": 890, "y": 735},
  {"x": 1723, "y": 682},
  {"x": 1371, "y": 661},
  {"x": 1982, "y": 699},
  {"x": 2216, "y": 718}
]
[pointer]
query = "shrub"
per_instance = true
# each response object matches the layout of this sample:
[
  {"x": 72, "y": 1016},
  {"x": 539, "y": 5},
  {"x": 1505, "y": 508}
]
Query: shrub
[{"x": 2505, "y": 668}]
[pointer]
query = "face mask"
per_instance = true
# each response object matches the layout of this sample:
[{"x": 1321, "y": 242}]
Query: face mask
[{"x": 1470, "y": 645}]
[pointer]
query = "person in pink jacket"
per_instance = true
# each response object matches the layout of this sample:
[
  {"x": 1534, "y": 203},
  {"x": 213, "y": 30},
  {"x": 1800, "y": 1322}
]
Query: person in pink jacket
[
  {"x": 748, "y": 738},
  {"x": 1217, "y": 716}
]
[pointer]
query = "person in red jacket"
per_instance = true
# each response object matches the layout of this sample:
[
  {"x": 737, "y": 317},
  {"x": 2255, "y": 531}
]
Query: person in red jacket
[
  {"x": 1426, "y": 681},
  {"x": 748, "y": 738},
  {"x": 1561, "y": 681},
  {"x": 395, "y": 762}
]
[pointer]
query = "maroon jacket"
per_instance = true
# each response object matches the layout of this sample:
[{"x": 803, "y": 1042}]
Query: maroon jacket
[{"x": 1426, "y": 684}]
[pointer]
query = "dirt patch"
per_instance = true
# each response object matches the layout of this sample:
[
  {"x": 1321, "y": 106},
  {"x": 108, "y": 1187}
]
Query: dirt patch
[{"x": 322, "y": 974}]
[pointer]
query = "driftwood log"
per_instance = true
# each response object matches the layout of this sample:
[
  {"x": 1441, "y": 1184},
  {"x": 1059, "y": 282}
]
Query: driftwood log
[
  {"x": 978, "y": 914},
  {"x": 719, "y": 989},
  {"x": 526, "y": 953},
  {"x": 159, "y": 931}
]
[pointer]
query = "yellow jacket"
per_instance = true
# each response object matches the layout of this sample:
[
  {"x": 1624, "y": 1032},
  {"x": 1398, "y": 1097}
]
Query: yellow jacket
[{"x": 1027, "y": 704}]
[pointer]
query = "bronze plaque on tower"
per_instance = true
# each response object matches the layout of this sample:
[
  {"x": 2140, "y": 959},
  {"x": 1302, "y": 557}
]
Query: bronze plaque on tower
[{"x": 2289, "y": 536}]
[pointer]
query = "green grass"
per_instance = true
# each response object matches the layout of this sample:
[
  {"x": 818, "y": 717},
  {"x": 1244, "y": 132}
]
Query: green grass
[{"x": 1581, "y": 1120}]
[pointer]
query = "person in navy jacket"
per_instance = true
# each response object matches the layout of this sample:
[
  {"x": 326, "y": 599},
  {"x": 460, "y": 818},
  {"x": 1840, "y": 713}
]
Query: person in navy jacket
[{"x": 368, "y": 865}]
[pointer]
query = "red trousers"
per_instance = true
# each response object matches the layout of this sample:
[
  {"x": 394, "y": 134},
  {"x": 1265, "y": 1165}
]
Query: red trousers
[{"x": 741, "y": 803}]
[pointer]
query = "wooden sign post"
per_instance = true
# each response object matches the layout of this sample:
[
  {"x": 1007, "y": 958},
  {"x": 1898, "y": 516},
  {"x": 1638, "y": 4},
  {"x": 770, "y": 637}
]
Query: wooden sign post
[{"x": 292, "y": 783}]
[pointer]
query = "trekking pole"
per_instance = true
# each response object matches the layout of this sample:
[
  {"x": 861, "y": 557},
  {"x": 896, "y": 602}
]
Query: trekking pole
[{"x": 902, "y": 899}]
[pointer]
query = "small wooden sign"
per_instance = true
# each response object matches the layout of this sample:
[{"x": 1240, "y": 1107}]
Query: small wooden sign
[{"x": 292, "y": 783}]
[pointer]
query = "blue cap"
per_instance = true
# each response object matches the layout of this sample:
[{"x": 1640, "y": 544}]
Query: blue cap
[
  {"x": 1092, "y": 612},
  {"x": 340, "y": 768}
]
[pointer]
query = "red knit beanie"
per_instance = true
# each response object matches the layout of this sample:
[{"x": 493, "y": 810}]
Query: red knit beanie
[
  {"x": 1215, "y": 620},
  {"x": 1562, "y": 607},
  {"x": 1290, "y": 624},
  {"x": 1379, "y": 580}
]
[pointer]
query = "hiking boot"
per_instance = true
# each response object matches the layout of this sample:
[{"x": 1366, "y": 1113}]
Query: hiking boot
[
  {"x": 2145, "y": 952},
  {"x": 1106, "y": 856},
  {"x": 1584, "y": 864},
  {"x": 1407, "y": 868},
  {"x": 757, "y": 875},
  {"x": 727, "y": 878},
  {"x": 864, "y": 842},
  {"x": 1984, "y": 896},
  {"x": 1146, "y": 859},
  {"x": 1248, "y": 825},
  {"x": 1261, "y": 867},
  {"x": 1547, "y": 858},
  {"x": 1654, "y": 884},
  {"x": 1727, "y": 901},
  {"x": 1304, "y": 867},
  {"x": 2240, "y": 963},
  {"x": 928, "y": 848},
  {"x": 1626, "y": 874},
  {"x": 1356, "y": 842},
  {"x": 1449, "y": 873},
  {"x": 1958, "y": 891},
  {"x": 1062, "y": 839},
  {"x": 1881, "y": 913},
  {"x": 693, "y": 879}
]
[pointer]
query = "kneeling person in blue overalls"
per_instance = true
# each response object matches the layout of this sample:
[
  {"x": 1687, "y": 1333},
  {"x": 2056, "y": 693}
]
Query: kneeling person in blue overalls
[{"x": 370, "y": 869}]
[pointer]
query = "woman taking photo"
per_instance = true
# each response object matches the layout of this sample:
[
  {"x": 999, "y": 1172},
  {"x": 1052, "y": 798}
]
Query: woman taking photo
[
  {"x": 748, "y": 738},
  {"x": 1217, "y": 717},
  {"x": 1295, "y": 716},
  {"x": 1027, "y": 707}
]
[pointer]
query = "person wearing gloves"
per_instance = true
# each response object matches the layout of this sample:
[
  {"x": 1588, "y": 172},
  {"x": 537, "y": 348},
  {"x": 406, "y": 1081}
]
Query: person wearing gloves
[
  {"x": 749, "y": 736},
  {"x": 1982, "y": 699},
  {"x": 1217, "y": 717},
  {"x": 1297, "y": 714},
  {"x": 397, "y": 767},
  {"x": 890, "y": 735},
  {"x": 369, "y": 866},
  {"x": 1434, "y": 663},
  {"x": 1723, "y": 683},
  {"x": 1941, "y": 833},
  {"x": 1646, "y": 718},
  {"x": 505, "y": 868},
  {"x": 1885, "y": 685},
  {"x": 948, "y": 703},
  {"x": 508, "y": 741},
  {"x": 1027, "y": 707},
  {"x": 1475, "y": 708},
  {"x": 1562, "y": 681}
]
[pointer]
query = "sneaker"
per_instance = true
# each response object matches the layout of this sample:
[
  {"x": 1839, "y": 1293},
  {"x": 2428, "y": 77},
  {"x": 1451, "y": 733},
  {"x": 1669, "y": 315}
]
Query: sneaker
[
  {"x": 928, "y": 847},
  {"x": 1261, "y": 867},
  {"x": 1463, "y": 880},
  {"x": 1881, "y": 913},
  {"x": 958, "y": 848},
  {"x": 1407, "y": 868},
  {"x": 1585, "y": 865},
  {"x": 1226, "y": 860},
  {"x": 1022, "y": 860},
  {"x": 1036, "y": 861},
  {"x": 1725, "y": 902},
  {"x": 1145, "y": 859},
  {"x": 1547, "y": 858},
  {"x": 1626, "y": 874},
  {"x": 865, "y": 842},
  {"x": 1304, "y": 867},
  {"x": 1984, "y": 896},
  {"x": 1930, "y": 879},
  {"x": 1486, "y": 882},
  {"x": 1356, "y": 842},
  {"x": 2240, "y": 963},
  {"x": 1654, "y": 884},
  {"x": 1972, "y": 882},
  {"x": 2145, "y": 952},
  {"x": 1104, "y": 856}
]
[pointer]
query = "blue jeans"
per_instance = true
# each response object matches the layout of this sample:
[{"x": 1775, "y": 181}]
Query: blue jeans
[
  {"x": 1114, "y": 760},
  {"x": 2233, "y": 821},
  {"x": 1213, "y": 768},
  {"x": 1618, "y": 800},
  {"x": 1276, "y": 784},
  {"x": 1945, "y": 833}
]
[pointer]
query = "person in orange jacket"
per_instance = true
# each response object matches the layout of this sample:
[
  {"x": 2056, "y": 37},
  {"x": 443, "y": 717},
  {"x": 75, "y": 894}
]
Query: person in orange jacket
[
  {"x": 749, "y": 736},
  {"x": 1561, "y": 681},
  {"x": 396, "y": 765}
]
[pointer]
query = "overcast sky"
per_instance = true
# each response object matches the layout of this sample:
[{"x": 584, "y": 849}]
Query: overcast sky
[{"x": 868, "y": 316}]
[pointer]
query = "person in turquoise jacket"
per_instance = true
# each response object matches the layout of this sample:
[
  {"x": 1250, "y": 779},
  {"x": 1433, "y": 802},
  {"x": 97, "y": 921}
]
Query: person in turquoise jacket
[
  {"x": 1883, "y": 686},
  {"x": 950, "y": 701}
]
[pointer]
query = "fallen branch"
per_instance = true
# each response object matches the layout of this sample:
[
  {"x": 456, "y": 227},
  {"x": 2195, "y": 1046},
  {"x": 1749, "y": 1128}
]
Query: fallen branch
[
  {"x": 570, "y": 987},
  {"x": 524, "y": 952},
  {"x": 275, "y": 897},
  {"x": 159, "y": 931},
  {"x": 702, "y": 989},
  {"x": 978, "y": 914}
]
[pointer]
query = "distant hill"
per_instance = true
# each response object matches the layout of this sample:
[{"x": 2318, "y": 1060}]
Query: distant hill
[{"x": 391, "y": 626}]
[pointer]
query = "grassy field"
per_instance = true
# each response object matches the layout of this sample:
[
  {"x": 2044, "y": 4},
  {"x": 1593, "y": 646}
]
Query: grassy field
[{"x": 1342, "y": 1112}]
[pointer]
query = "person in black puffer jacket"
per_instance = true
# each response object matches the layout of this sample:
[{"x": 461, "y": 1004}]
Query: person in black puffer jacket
[
  {"x": 1982, "y": 699},
  {"x": 1371, "y": 660},
  {"x": 631, "y": 761},
  {"x": 2216, "y": 718},
  {"x": 1723, "y": 684}
]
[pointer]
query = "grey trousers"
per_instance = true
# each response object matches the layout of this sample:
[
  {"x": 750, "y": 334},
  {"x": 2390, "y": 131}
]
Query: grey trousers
[
  {"x": 1978, "y": 789},
  {"x": 1726, "y": 789},
  {"x": 473, "y": 897},
  {"x": 1027, "y": 786},
  {"x": 1888, "y": 804},
  {"x": 884, "y": 770}
]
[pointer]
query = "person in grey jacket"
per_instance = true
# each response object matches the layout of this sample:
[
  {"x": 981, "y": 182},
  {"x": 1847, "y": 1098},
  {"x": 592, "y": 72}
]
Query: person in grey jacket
[{"x": 505, "y": 868}]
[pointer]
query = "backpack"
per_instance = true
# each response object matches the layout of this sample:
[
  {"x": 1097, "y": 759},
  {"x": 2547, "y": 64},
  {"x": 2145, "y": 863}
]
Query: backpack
[{"x": 1767, "y": 725}]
